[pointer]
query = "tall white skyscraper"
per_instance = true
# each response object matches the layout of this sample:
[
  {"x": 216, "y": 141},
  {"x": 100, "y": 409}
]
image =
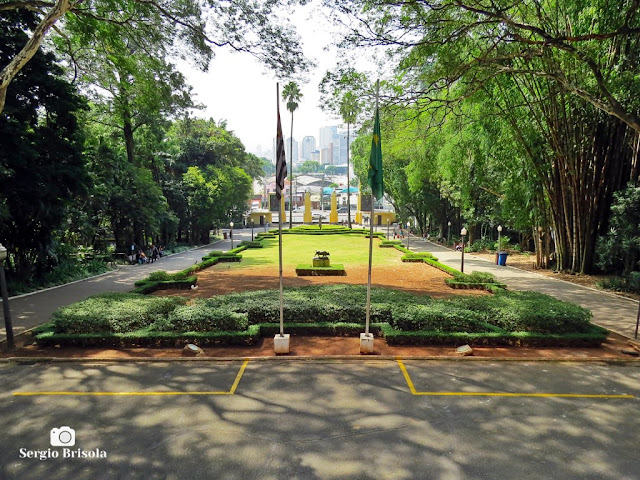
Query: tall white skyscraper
[
  {"x": 326, "y": 136},
  {"x": 308, "y": 146}
]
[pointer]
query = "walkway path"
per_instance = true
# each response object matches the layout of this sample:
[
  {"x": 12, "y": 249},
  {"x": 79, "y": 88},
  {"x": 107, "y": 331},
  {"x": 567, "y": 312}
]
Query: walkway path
[
  {"x": 611, "y": 311},
  {"x": 31, "y": 310}
]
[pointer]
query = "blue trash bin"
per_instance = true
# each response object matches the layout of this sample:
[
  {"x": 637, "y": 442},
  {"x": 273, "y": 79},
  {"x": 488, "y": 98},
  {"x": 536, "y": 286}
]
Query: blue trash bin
[{"x": 502, "y": 258}]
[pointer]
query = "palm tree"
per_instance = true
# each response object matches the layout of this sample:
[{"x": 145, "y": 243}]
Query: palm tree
[
  {"x": 292, "y": 95},
  {"x": 349, "y": 109}
]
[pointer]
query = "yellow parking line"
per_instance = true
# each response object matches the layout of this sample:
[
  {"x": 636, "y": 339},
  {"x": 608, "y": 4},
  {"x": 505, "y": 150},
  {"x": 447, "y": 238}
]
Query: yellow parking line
[
  {"x": 238, "y": 377},
  {"x": 413, "y": 390},
  {"x": 231, "y": 391}
]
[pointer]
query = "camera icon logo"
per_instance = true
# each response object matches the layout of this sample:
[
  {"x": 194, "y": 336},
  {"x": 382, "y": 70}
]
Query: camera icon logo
[{"x": 62, "y": 437}]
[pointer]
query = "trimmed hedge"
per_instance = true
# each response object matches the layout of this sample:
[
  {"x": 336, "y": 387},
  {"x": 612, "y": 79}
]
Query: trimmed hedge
[
  {"x": 113, "y": 313},
  {"x": 147, "y": 338},
  {"x": 593, "y": 338},
  {"x": 327, "y": 229},
  {"x": 417, "y": 257},
  {"x": 440, "y": 317},
  {"x": 506, "y": 318},
  {"x": 306, "y": 270},
  {"x": 161, "y": 280},
  {"x": 390, "y": 243},
  {"x": 201, "y": 318},
  {"x": 252, "y": 244},
  {"x": 338, "y": 329}
]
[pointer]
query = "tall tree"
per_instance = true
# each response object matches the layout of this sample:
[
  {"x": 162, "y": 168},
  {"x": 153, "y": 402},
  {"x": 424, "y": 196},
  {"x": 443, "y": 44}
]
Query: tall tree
[
  {"x": 292, "y": 95},
  {"x": 349, "y": 109},
  {"x": 242, "y": 25},
  {"x": 41, "y": 164},
  {"x": 570, "y": 66}
]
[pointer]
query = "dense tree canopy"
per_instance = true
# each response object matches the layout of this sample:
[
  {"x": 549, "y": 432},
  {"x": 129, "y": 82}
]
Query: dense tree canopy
[
  {"x": 525, "y": 112},
  {"x": 187, "y": 28},
  {"x": 41, "y": 165}
]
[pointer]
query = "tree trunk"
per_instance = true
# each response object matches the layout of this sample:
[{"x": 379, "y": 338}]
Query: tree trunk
[
  {"x": 348, "y": 182},
  {"x": 291, "y": 176}
]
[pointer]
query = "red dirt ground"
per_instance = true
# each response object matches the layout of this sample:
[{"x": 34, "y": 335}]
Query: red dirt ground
[
  {"x": 413, "y": 277},
  {"x": 337, "y": 346}
]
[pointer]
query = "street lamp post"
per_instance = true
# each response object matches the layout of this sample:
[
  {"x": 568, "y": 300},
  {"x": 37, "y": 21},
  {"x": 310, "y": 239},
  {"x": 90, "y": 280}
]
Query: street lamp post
[
  {"x": 408, "y": 233},
  {"x": 388, "y": 225},
  {"x": 463, "y": 232},
  {"x": 499, "y": 246},
  {"x": 449, "y": 234},
  {"x": 252, "y": 230},
  {"x": 231, "y": 234},
  {"x": 5, "y": 300}
]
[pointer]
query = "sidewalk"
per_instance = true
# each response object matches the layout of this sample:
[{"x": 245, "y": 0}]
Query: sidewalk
[
  {"x": 31, "y": 310},
  {"x": 610, "y": 311}
]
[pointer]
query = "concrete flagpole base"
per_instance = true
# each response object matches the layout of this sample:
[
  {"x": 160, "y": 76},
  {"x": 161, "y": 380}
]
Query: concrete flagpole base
[
  {"x": 366, "y": 343},
  {"x": 281, "y": 343}
]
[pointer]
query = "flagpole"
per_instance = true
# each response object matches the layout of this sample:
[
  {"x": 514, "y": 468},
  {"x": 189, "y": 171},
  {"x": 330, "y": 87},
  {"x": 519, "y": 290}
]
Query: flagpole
[
  {"x": 280, "y": 215},
  {"x": 368, "y": 309},
  {"x": 366, "y": 326}
]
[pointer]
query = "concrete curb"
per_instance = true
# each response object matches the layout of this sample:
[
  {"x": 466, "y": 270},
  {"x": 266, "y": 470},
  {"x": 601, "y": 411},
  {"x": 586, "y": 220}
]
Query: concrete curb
[{"x": 322, "y": 358}]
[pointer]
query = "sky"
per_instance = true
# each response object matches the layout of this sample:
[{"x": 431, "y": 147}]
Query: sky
[{"x": 238, "y": 89}]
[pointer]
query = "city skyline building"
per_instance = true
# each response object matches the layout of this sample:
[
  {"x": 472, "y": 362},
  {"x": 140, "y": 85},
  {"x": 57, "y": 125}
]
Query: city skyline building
[
  {"x": 331, "y": 149},
  {"x": 308, "y": 146},
  {"x": 326, "y": 136}
]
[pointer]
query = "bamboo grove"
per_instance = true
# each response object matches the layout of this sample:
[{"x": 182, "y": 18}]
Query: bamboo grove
[{"x": 523, "y": 113}]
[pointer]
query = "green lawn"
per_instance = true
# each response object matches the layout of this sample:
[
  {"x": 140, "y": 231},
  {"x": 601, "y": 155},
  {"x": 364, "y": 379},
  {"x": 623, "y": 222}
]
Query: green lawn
[{"x": 348, "y": 250}]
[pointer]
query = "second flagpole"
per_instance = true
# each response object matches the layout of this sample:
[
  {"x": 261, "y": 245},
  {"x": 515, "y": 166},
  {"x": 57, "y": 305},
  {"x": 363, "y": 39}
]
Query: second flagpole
[{"x": 280, "y": 341}]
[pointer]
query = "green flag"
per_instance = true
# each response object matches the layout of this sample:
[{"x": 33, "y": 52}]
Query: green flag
[{"x": 375, "y": 161}]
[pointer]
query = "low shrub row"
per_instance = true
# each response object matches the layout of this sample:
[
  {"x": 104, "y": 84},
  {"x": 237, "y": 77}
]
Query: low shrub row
[
  {"x": 114, "y": 313},
  {"x": 390, "y": 243},
  {"x": 47, "y": 337},
  {"x": 417, "y": 257},
  {"x": 593, "y": 338},
  {"x": 306, "y": 270},
  {"x": 325, "y": 230},
  {"x": 252, "y": 244},
  {"x": 504, "y": 318},
  {"x": 161, "y": 280},
  {"x": 474, "y": 280}
]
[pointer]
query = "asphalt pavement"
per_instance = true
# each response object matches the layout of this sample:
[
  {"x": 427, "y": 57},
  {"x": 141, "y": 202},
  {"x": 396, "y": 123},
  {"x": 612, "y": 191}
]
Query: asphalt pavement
[{"x": 320, "y": 420}]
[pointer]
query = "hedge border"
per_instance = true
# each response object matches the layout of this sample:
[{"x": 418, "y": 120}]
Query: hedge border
[
  {"x": 473, "y": 286},
  {"x": 212, "y": 258},
  {"x": 591, "y": 339},
  {"x": 145, "y": 288},
  {"x": 46, "y": 338},
  {"x": 306, "y": 270},
  {"x": 433, "y": 261},
  {"x": 141, "y": 338}
]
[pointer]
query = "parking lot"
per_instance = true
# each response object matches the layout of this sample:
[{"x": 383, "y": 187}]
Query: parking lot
[{"x": 342, "y": 419}]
